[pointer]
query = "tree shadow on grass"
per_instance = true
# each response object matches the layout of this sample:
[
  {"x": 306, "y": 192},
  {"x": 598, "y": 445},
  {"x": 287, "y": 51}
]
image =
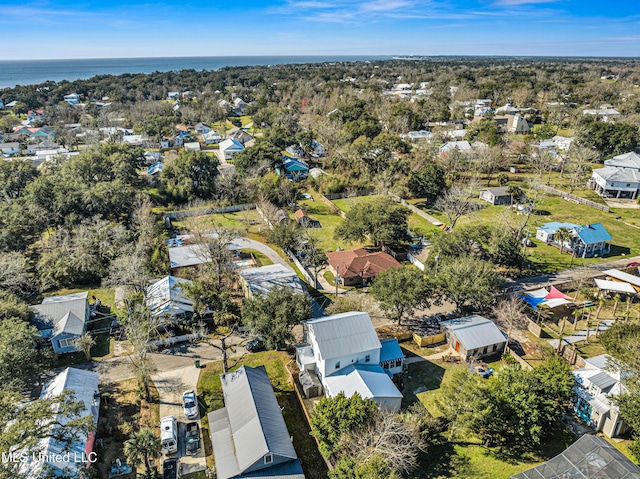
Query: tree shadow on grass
[{"x": 441, "y": 460}]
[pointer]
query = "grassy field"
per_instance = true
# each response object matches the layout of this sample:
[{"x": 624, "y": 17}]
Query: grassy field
[
  {"x": 210, "y": 391},
  {"x": 320, "y": 211},
  {"x": 417, "y": 223}
]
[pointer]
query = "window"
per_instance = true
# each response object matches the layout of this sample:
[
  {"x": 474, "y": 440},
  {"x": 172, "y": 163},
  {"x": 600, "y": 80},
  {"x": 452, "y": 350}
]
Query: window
[
  {"x": 268, "y": 459},
  {"x": 66, "y": 343},
  {"x": 398, "y": 363},
  {"x": 367, "y": 358},
  {"x": 484, "y": 351},
  {"x": 337, "y": 364},
  {"x": 495, "y": 347}
]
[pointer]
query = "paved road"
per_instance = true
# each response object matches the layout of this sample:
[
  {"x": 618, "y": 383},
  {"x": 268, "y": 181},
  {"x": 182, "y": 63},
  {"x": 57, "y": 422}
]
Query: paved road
[
  {"x": 247, "y": 243},
  {"x": 180, "y": 356},
  {"x": 590, "y": 271}
]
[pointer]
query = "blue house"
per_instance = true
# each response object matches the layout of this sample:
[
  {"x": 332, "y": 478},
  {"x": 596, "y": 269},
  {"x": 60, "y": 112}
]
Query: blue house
[
  {"x": 292, "y": 168},
  {"x": 586, "y": 241},
  {"x": 62, "y": 320}
]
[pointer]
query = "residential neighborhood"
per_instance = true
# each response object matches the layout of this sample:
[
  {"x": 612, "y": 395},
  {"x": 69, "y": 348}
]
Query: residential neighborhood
[{"x": 385, "y": 269}]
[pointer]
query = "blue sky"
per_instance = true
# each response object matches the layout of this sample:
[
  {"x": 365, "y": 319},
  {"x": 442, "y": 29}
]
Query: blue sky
[{"x": 118, "y": 28}]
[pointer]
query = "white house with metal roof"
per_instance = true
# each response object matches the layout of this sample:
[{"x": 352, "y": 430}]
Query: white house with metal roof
[
  {"x": 474, "y": 336},
  {"x": 597, "y": 382},
  {"x": 84, "y": 385},
  {"x": 249, "y": 435},
  {"x": 345, "y": 353},
  {"x": 166, "y": 298},
  {"x": 62, "y": 320},
  {"x": 620, "y": 177},
  {"x": 230, "y": 147}
]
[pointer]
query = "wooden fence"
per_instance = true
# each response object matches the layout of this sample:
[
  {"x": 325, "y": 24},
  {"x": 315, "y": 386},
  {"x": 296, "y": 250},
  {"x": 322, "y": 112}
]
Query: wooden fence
[
  {"x": 423, "y": 341},
  {"x": 575, "y": 199},
  {"x": 524, "y": 364},
  {"x": 293, "y": 378},
  {"x": 416, "y": 210},
  {"x": 332, "y": 205},
  {"x": 534, "y": 328}
]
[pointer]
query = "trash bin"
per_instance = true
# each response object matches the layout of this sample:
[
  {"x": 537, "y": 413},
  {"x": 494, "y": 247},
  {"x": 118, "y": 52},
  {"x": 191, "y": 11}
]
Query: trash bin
[{"x": 197, "y": 363}]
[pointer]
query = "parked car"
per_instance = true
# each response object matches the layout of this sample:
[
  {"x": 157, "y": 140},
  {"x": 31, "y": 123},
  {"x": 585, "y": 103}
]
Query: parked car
[
  {"x": 255, "y": 344},
  {"x": 192, "y": 439},
  {"x": 190, "y": 405},
  {"x": 633, "y": 264},
  {"x": 170, "y": 469}
]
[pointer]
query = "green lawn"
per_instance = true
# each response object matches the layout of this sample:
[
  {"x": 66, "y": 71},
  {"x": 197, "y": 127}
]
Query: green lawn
[
  {"x": 105, "y": 295},
  {"x": 210, "y": 394},
  {"x": 320, "y": 211},
  {"x": 261, "y": 258}
]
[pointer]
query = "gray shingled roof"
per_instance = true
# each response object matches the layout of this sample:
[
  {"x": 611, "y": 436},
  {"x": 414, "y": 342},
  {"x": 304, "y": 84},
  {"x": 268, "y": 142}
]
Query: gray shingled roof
[
  {"x": 344, "y": 334},
  {"x": 250, "y": 426},
  {"x": 64, "y": 314}
]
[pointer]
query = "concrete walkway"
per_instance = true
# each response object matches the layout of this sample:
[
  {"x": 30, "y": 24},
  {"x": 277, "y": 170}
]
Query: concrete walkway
[
  {"x": 582, "y": 334},
  {"x": 325, "y": 285}
]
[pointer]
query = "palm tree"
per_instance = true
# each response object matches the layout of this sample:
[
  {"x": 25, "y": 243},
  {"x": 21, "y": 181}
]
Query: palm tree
[
  {"x": 601, "y": 303},
  {"x": 141, "y": 447},
  {"x": 616, "y": 300},
  {"x": 576, "y": 314},
  {"x": 589, "y": 325},
  {"x": 515, "y": 192},
  {"x": 561, "y": 235}
]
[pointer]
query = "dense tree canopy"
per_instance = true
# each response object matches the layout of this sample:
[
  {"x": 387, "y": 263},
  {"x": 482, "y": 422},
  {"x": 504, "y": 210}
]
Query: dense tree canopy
[
  {"x": 191, "y": 175},
  {"x": 382, "y": 220},
  {"x": 274, "y": 315}
]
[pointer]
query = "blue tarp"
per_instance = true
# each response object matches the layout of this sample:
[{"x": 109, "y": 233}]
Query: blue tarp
[{"x": 533, "y": 302}]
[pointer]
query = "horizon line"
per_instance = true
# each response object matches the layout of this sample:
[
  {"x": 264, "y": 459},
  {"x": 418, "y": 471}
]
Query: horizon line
[{"x": 341, "y": 55}]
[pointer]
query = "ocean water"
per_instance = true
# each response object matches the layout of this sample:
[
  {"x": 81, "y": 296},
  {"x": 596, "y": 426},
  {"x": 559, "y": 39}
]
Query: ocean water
[{"x": 29, "y": 72}]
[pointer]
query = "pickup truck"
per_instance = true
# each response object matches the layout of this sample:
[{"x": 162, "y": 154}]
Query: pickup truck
[{"x": 192, "y": 439}]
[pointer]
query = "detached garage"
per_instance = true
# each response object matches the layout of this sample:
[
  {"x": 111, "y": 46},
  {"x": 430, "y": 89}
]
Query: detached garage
[{"x": 474, "y": 336}]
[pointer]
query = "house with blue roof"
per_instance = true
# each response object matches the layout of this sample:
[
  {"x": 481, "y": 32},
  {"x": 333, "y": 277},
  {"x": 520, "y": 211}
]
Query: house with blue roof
[
  {"x": 586, "y": 241},
  {"x": 292, "y": 168}
]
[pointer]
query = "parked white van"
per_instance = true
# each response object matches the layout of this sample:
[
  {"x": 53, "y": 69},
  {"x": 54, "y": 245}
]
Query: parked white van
[{"x": 168, "y": 435}]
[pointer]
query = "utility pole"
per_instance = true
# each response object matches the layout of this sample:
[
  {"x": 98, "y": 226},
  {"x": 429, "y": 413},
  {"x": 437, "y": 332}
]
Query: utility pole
[{"x": 337, "y": 279}]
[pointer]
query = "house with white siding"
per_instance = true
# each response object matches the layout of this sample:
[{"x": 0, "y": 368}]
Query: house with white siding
[{"x": 344, "y": 351}]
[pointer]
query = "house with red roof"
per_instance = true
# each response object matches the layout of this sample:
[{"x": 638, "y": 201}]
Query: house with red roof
[{"x": 359, "y": 266}]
